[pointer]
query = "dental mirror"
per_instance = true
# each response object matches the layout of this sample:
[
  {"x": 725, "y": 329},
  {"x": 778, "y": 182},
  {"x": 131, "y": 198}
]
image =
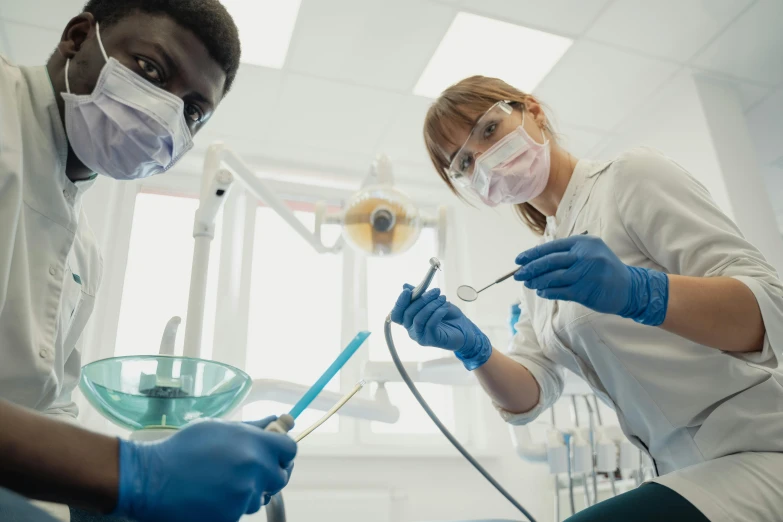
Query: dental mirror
[{"x": 469, "y": 294}]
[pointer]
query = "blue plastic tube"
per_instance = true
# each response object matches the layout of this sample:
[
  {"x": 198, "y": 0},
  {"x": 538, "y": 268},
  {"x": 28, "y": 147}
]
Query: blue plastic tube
[{"x": 330, "y": 372}]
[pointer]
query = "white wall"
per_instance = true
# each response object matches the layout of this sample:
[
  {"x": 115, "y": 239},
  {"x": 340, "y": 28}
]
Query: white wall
[
  {"x": 766, "y": 127},
  {"x": 674, "y": 123},
  {"x": 699, "y": 123}
]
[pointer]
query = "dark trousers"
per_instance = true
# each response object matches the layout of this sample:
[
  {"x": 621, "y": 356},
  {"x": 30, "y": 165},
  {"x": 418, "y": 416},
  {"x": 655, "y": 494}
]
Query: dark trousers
[{"x": 647, "y": 503}]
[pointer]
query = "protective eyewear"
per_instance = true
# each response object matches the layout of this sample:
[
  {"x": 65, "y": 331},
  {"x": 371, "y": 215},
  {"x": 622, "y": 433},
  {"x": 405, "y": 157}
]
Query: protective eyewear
[{"x": 491, "y": 127}]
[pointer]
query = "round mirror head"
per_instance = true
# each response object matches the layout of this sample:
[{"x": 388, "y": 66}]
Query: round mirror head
[{"x": 467, "y": 293}]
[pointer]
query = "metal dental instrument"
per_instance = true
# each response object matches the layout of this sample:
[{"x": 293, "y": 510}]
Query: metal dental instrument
[
  {"x": 601, "y": 423},
  {"x": 591, "y": 421},
  {"x": 584, "y": 475},
  {"x": 425, "y": 283},
  {"x": 557, "y": 476},
  {"x": 335, "y": 409},
  {"x": 468, "y": 293}
]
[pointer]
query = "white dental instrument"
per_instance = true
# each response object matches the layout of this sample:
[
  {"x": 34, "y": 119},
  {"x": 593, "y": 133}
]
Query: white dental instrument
[{"x": 335, "y": 409}]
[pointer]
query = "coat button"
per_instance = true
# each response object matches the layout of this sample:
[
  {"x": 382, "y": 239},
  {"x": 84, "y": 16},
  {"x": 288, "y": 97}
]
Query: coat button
[
  {"x": 45, "y": 353},
  {"x": 52, "y": 270}
]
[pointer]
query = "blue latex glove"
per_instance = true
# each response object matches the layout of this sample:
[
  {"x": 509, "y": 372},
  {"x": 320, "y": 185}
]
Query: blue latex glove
[
  {"x": 516, "y": 311},
  {"x": 433, "y": 321},
  {"x": 583, "y": 269},
  {"x": 212, "y": 471}
]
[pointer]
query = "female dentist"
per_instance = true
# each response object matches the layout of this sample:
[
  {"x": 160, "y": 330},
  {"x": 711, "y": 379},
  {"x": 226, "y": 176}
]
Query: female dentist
[{"x": 641, "y": 286}]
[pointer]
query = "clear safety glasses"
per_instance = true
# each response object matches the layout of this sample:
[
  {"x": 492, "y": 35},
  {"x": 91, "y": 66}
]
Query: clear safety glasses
[{"x": 491, "y": 127}]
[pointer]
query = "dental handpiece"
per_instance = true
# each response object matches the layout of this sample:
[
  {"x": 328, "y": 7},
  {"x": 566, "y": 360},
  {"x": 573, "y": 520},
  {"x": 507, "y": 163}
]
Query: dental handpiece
[{"x": 425, "y": 283}]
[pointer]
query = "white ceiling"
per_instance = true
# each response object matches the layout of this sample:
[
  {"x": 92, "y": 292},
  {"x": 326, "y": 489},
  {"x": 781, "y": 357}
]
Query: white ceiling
[{"x": 344, "y": 94}]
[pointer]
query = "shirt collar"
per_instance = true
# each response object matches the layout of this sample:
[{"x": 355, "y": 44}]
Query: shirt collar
[
  {"x": 49, "y": 190},
  {"x": 42, "y": 89},
  {"x": 574, "y": 198},
  {"x": 45, "y": 106}
]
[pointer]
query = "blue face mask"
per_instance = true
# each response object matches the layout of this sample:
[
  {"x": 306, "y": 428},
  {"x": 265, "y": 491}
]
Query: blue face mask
[{"x": 127, "y": 128}]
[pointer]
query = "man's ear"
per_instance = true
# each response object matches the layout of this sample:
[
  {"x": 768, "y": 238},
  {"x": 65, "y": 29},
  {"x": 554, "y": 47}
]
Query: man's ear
[{"x": 75, "y": 34}]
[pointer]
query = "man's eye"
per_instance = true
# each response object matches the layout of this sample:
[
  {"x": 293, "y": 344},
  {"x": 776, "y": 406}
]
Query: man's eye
[
  {"x": 149, "y": 69},
  {"x": 193, "y": 113}
]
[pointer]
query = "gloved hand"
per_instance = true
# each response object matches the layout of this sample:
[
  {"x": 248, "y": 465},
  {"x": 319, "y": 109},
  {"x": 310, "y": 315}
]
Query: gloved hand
[
  {"x": 516, "y": 311},
  {"x": 583, "y": 269},
  {"x": 213, "y": 471},
  {"x": 433, "y": 321}
]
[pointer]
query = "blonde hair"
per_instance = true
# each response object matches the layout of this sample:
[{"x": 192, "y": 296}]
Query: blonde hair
[{"x": 458, "y": 107}]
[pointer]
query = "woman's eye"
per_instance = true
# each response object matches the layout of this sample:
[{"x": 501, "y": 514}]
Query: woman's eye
[
  {"x": 490, "y": 130},
  {"x": 193, "y": 113},
  {"x": 150, "y": 71}
]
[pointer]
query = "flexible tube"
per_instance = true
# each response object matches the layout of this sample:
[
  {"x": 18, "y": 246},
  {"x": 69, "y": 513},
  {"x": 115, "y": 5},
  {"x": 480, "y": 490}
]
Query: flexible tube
[
  {"x": 331, "y": 412},
  {"x": 446, "y": 433}
]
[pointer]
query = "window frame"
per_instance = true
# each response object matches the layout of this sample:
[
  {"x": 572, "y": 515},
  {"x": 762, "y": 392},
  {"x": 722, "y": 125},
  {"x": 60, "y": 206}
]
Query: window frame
[{"x": 354, "y": 436}]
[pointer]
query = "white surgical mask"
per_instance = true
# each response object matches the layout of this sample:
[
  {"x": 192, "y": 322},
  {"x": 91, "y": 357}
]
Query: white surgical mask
[
  {"x": 127, "y": 128},
  {"x": 514, "y": 170}
]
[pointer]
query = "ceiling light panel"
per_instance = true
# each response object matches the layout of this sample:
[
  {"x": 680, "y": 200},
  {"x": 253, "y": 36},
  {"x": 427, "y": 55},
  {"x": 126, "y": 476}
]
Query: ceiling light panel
[
  {"x": 488, "y": 47},
  {"x": 265, "y": 29}
]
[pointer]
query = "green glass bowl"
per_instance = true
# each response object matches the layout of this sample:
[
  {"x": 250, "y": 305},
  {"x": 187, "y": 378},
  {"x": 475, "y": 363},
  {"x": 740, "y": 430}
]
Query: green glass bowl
[{"x": 161, "y": 391}]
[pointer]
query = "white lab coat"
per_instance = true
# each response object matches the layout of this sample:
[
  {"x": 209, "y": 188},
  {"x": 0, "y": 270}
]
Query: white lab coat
[
  {"x": 50, "y": 267},
  {"x": 683, "y": 403}
]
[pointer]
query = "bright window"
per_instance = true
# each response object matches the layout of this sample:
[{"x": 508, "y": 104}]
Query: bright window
[
  {"x": 385, "y": 277},
  {"x": 294, "y": 332},
  {"x": 157, "y": 277},
  {"x": 296, "y": 308}
]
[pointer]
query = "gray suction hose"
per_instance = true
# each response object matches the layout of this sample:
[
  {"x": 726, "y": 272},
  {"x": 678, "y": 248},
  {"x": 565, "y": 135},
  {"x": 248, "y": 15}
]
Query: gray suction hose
[{"x": 420, "y": 289}]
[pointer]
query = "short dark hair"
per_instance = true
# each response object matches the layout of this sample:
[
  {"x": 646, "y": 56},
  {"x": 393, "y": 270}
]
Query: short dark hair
[{"x": 207, "y": 19}]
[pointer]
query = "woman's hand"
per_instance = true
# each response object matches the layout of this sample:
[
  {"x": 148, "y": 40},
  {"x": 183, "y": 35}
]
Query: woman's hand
[
  {"x": 583, "y": 269},
  {"x": 432, "y": 321}
]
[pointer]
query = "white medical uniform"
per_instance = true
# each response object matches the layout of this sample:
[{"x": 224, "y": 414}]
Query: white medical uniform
[
  {"x": 711, "y": 421},
  {"x": 50, "y": 266}
]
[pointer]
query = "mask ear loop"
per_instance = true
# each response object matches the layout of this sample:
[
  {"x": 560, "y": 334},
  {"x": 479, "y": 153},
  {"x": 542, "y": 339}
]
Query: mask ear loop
[
  {"x": 67, "y": 84},
  {"x": 544, "y": 141},
  {"x": 68, "y": 61},
  {"x": 100, "y": 42}
]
